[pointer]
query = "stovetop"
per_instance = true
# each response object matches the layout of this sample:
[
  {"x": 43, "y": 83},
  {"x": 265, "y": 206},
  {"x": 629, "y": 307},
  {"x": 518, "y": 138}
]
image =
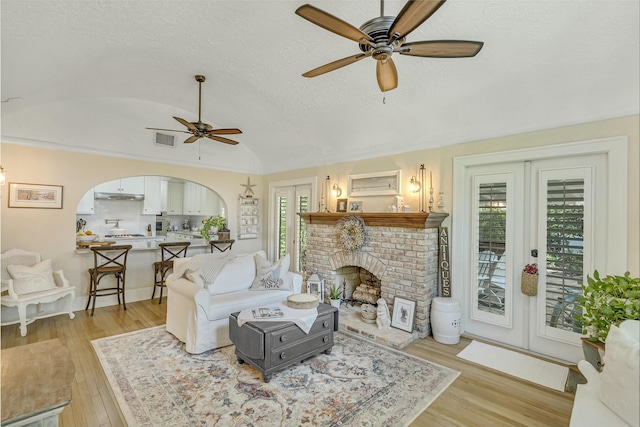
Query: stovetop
[{"x": 123, "y": 236}]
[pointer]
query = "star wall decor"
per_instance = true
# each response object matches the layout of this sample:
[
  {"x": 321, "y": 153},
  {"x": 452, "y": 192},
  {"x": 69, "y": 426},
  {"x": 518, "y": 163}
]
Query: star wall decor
[{"x": 248, "y": 192}]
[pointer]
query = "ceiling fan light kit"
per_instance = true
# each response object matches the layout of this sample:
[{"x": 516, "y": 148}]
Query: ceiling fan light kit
[
  {"x": 200, "y": 129},
  {"x": 383, "y": 36}
]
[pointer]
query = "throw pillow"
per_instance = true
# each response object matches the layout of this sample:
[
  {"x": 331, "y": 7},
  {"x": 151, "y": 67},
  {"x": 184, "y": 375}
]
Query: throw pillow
[
  {"x": 209, "y": 265},
  {"x": 195, "y": 277},
  {"x": 27, "y": 279},
  {"x": 270, "y": 276},
  {"x": 620, "y": 377}
]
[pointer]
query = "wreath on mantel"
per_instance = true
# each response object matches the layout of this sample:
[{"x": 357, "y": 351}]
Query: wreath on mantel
[{"x": 351, "y": 233}]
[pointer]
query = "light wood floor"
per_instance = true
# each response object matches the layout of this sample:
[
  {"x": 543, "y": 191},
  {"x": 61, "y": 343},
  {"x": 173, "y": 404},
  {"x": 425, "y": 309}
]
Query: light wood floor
[{"x": 478, "y": 397}]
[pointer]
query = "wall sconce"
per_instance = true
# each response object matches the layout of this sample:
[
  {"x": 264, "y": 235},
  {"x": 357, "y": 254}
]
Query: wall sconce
[
  {"x": 414, "y": 185},
  {"x": 336, "y": 190},
  {"x": 2, "y": 175}
]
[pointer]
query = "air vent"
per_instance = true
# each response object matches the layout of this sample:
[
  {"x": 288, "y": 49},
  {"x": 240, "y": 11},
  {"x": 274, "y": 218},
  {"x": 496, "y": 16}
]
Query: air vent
[{"x": 165, "y": 140}]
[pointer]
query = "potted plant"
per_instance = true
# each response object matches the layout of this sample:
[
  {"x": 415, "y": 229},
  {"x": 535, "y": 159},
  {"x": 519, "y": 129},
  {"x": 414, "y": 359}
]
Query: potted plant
[
  {"x": 608, "y": 301},
  {"x": 335, "y": 295},
  {"x": 211, "y": 226}
]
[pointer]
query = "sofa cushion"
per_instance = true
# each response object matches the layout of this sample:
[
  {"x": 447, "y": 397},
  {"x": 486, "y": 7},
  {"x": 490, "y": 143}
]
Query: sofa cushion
[
  {"x": 208, "y": 265},
  {"x": 236, "y": 275},
  {"x": 620, "y": 378},
  {"x": 27, "y": 279},
  {"x": 270, "y": 276}
]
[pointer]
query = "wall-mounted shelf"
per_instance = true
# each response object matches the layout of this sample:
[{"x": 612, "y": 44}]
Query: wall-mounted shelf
[{"x": 248, "y": 218}]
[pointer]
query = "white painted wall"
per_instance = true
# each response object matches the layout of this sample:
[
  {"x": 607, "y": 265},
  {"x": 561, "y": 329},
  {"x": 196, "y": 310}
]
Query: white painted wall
[
  {"x": 52, "y": 231},
  {"x": 440, "y": 162}
]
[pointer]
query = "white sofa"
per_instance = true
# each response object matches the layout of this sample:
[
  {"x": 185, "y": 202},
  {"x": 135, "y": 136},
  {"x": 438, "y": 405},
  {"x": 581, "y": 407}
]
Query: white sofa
[
  {"x": 610, "y": 398},
  {"x": 198, "y": 312}
]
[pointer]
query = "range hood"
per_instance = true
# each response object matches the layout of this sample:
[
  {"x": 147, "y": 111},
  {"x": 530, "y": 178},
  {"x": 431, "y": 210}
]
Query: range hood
[{"x": 118, "y": 196}]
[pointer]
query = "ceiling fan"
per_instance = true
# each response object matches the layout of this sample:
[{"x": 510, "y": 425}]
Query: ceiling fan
[
  {"x": 380, "y": 37},
  {"x": 203, "y": 130}
]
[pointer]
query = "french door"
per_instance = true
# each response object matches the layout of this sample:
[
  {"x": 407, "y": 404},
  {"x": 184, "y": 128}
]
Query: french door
[
  {"x": 288, "y": 232},
  {"x": 552, "y": 212}
]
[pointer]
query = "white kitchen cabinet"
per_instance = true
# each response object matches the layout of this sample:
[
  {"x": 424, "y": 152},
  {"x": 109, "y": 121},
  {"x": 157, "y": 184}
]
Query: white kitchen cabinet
[
  {"x": 248, "y": 218},
  {"x": 152, "y": 199},
  {"x": 175, "y": 197},
  {"x": 163, "y": 195},
  {"x": 195, "y": 200},
  {"x": 131, "y": 185},
  {"x": 86, "y": 204}
]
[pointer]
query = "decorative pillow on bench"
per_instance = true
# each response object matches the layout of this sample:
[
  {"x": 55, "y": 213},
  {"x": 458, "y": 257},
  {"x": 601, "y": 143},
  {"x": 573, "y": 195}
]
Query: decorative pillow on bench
[{"x": 27, "y": 279}]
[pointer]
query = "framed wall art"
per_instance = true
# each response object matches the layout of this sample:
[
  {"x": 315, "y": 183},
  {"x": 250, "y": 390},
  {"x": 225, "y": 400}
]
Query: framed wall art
[
  {"x": 355, "y": 205},
  {"x": 38, "y": 196},
  {"x": 341, "y": 205},
  {"x": 374, "y": 184},
  {"x": 404, "y": 312}
]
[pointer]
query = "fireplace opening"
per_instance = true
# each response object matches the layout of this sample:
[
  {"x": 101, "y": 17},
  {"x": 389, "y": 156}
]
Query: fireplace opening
[{"x": 359, "y": 285}]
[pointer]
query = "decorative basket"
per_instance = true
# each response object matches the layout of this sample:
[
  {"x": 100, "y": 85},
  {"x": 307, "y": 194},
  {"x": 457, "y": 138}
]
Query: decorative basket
[
  {"x": 529, "y": 284},
  {"x": 224, "y": 235}
]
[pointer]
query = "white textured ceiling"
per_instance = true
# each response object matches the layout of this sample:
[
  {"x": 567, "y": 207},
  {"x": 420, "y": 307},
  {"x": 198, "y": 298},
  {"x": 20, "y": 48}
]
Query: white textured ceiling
[{"x": 93, "y": 74}]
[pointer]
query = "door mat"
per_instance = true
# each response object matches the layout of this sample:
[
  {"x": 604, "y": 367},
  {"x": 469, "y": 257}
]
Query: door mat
[{"x": 517, "y": 364}]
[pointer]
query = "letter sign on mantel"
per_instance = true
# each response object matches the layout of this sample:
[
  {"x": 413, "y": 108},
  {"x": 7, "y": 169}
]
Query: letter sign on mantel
[{"x": 443, "y": 262}]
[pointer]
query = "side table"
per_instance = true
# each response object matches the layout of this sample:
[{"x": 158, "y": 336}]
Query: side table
[
  {"x": 36, "y": 383},
  {"x": 272, "y": 346}
]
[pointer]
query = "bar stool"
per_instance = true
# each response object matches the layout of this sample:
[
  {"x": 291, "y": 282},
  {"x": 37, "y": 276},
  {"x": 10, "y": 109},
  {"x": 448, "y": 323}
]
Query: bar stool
[
  {"x": 169, "y": 251},
  {"x": 108, "y": 260}
]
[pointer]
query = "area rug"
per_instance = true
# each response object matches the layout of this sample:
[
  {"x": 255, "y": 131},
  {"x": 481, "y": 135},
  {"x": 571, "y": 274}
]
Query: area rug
[
  {"x": 156, "y": 383},
  {"x": 516, "y": 364}
]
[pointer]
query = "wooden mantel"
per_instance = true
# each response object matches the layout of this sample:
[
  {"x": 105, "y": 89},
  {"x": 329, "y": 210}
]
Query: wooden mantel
[{"x": 380, "y": 219}]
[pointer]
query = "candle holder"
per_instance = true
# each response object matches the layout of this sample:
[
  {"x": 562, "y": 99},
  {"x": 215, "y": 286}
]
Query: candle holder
[{"x": 422, "y": 176}]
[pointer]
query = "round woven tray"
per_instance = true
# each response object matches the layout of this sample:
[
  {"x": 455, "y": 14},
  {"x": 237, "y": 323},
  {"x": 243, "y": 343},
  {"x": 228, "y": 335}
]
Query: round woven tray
[
  {"x": 303, "y": 301},
  {"x": 365, "y": 320}
]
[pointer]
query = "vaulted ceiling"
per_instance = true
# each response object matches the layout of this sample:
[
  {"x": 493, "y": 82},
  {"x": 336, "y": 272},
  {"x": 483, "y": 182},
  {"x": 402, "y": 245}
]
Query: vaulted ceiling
[{"x": 91, "y": 75}]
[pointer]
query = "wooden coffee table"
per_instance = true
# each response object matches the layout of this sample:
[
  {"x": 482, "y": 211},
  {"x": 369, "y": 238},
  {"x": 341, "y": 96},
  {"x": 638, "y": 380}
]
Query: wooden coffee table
[{"x": 272, "y": 346}]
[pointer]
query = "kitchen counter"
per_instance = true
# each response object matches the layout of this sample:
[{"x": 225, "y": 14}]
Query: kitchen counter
[{"x": 140, "y": 243}]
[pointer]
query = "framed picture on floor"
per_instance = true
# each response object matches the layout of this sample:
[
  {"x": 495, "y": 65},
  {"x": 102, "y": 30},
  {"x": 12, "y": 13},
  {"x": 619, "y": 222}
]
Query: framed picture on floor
[{"x": 404, "y": 312}]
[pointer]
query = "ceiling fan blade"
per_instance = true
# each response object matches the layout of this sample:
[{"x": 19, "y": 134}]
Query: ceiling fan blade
[
  {"x": 334, "y": 65},
  {"x": 190, "y": 126},
  {"x": 223, "y": 131},
  {"x": 387, "y": 75},
  {"x": 170, "y": 130},
  {"x": 331, "y": 23},
  {"x": 191, "y": 139},
  {"x": 414, "y": 13},
  {"x": 221, "y": 139},
  {"x": 442, "y": 48}
]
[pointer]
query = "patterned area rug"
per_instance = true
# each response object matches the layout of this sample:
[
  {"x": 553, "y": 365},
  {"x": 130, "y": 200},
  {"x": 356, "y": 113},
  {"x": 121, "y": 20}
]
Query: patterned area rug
[{"x": 157, "y": 383}]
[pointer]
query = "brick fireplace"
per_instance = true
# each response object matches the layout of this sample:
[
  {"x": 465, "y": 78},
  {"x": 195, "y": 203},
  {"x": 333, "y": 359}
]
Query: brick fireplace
[{"x": 400, "y": 251}]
